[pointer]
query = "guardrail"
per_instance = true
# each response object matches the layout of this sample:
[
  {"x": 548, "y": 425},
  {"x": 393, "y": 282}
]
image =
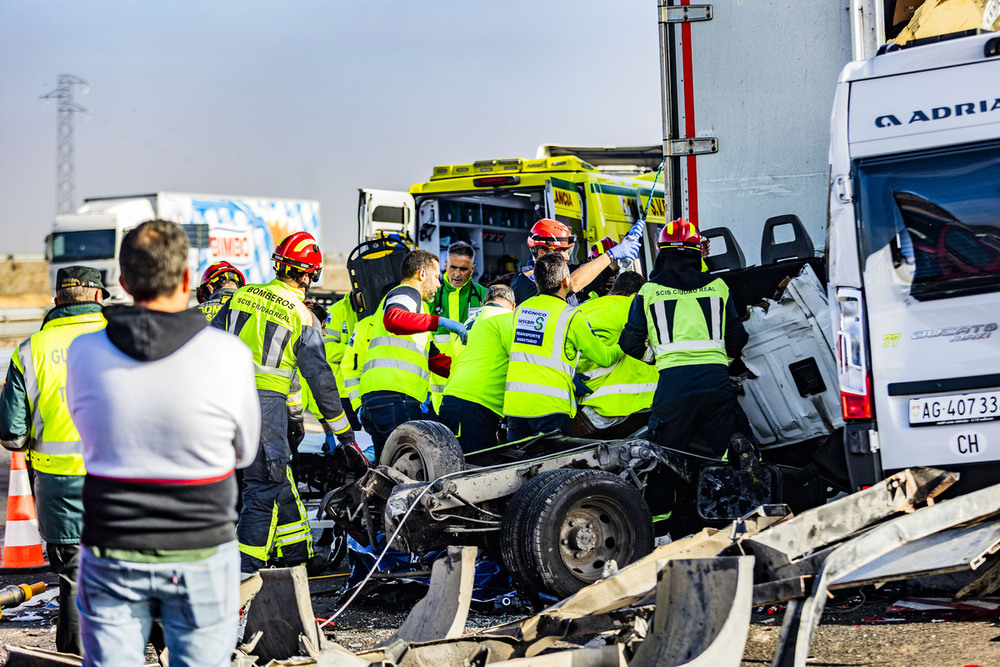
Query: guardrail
[{"x": 21, "y": 321}]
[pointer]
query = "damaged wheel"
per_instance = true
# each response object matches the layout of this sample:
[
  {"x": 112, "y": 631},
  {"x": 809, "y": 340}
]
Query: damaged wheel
[
  {"x": 423, "y": 451},
  {"x": 577, "y": 522},
  {"x": 514, "y": 529}
]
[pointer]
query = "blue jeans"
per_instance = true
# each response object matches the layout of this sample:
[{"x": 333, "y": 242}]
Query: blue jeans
[
  {"x": 198, "y": 603},
  {"x": 383, "y": 411}
]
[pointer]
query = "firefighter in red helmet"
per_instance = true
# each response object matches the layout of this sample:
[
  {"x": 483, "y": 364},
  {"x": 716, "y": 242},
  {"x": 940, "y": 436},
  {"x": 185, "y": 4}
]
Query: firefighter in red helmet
[
  {"x": 549, "y": 235},
  {"x": 218, "y": 284},
  {"x": 688, "y": 321},
  {"x": 274, "y": 323}
]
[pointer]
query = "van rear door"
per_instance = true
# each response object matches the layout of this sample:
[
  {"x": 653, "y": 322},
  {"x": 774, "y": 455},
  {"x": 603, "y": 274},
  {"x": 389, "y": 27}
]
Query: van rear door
[{"x": 385, "y": 212}]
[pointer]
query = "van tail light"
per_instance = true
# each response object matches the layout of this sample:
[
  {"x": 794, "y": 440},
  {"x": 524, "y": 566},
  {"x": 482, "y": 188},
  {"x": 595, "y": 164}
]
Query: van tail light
[{"x": 856, "y": 400}]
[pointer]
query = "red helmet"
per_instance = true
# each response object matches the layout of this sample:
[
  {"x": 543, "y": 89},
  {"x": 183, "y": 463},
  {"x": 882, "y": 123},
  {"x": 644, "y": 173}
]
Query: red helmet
[
  {"x": 551, "y": 234},
  {"x": 301, "y": 252},
  {"x": 679, "y": 234},
  {"x": 218, "y": 272}
]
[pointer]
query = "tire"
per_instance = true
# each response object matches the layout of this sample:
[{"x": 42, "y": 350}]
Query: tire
[
  {"x": 423, "y": 451},
  {"x": 513, "y": 531},
  {"x": 578, "y": 521}
]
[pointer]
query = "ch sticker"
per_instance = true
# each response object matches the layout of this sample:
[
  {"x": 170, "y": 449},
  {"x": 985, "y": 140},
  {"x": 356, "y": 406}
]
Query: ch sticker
[{"x": 890, "y": 340}]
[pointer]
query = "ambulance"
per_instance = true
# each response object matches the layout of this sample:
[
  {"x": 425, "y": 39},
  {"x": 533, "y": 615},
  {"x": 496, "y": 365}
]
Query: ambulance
[{"x": 492, "y": 204}]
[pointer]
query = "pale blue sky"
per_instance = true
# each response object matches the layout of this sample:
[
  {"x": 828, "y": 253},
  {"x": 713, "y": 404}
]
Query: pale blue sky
[{"x": 308, "y": 98}]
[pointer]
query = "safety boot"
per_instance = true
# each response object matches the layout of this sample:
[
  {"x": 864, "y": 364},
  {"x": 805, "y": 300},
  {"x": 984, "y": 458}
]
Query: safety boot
[{"x": 743, "y": 454}]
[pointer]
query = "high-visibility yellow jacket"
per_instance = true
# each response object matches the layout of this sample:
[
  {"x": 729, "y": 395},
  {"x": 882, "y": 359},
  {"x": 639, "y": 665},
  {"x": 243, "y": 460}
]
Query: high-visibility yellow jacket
[
  {"x": 396, "y": 363},
  {"x": 548, "y": 340},
  {"x": 628, "y": 385},
  {"x": 686, "y": 327}
]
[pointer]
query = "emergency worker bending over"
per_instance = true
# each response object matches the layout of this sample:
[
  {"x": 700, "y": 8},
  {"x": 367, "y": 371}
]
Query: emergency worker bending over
[
  {"x": 548, "y": 340},
  {"x": 396, "y": 373},
  {"x": 473, "y": 398},
  {"x": 693, "y": 330}
]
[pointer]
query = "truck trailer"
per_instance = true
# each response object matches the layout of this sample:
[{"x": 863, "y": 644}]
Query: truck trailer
[{"x": 241, "y": 230}]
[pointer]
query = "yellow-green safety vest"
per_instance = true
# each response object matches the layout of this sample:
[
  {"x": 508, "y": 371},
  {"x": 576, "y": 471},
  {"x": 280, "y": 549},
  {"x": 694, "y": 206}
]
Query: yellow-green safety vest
[
  {"x": 479, "y": 374},
  {"x": 55, "y": 442},
  {"x": 354, "y": 359},
  {"x": 396, "y": 363},
  {"x": 539, "y": 375},
  {"x": 628, "y": 385},
  {"x": 269, "y": 319},
  {"x": 339, "y": 327},
  {"x": 686, "y": 327}
]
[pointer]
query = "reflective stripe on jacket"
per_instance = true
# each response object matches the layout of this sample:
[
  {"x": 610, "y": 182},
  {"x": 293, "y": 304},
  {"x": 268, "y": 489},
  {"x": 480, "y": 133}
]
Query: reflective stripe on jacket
[
  {"x": 540, "y": 375},
  {"x": 628, "y": 385},
  {"x": 396, "y": 363},
  {"x": 685, "y": 328},
  {"x": 269, "y": 319},
  {"x": 55, "y": 443}
]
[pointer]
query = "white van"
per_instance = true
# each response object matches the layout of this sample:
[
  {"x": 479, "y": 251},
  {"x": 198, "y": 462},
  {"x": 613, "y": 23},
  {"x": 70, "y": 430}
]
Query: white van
[{"x": 914, "y": 258}]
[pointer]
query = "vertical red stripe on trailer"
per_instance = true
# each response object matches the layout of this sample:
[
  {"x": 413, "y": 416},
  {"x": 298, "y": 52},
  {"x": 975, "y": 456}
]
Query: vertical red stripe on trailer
[{"x": 692, "y": 168}]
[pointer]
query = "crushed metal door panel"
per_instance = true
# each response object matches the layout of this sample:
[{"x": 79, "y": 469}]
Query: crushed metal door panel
[
  {"x": 782, "y": 544},
  {"x": 459, "y": 651},
  {"x": 796, "y": 394},
  {"x": 605, "y": 656},
  {"x": 283, "y": 611},
  {"x": 955, "y": 549},
  {"x": 441, "y": 614},
  {"x": 702, "y": 613},
  {"x": 803, "y": 616}
]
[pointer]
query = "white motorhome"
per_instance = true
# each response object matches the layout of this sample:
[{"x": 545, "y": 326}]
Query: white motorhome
[{"x": 914, "y": 257}]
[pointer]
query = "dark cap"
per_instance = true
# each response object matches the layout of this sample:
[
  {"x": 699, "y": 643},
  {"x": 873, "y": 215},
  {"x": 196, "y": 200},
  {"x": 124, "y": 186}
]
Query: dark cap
[{"x": 80, "y": 276}]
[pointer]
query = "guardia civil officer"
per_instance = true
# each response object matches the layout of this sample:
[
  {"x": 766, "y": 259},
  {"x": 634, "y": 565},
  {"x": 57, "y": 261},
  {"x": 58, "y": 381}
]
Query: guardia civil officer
[{"x": 34, "y": 415}]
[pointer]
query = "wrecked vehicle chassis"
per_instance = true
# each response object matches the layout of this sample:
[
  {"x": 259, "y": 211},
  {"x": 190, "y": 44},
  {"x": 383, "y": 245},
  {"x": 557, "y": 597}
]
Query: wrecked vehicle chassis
[{"x": 555, "y": 510}]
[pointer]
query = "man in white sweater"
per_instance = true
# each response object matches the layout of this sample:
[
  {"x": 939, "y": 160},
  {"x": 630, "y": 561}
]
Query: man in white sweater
[{"x": 166, "y": 408}]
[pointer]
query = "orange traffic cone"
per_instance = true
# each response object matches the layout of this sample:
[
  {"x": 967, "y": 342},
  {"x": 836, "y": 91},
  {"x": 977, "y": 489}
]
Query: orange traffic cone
[{"x": 22, "y": 544}]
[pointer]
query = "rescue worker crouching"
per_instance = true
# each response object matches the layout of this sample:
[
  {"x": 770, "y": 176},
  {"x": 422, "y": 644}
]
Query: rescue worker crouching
[
  {"x": 277, "y": 327},
  {"x": 617, "y": 396},
  {"x": 546, "y": 343},
  {"x": 34, "y": 415},
  {"x": 690, "y": 322},
  {"x": 396, "y": 374},
  {"x": 218, "y": 284},
  {"x": 473, "y": 397}
]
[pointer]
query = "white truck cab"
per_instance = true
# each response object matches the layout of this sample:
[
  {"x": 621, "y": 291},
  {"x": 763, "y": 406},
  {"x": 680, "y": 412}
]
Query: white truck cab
[
  {"x": 92, "y": 236},
  {"x": 914, "y": 258}
]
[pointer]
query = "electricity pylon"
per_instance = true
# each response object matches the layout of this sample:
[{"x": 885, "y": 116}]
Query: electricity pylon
[{"x": 65, "y": 185}]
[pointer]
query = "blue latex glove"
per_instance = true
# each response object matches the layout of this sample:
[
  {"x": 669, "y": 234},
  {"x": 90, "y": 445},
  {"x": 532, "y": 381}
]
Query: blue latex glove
[
  {"x": 626, "y": 250},
  {"x": 456, "y": 327},
  {"x": 331, "y": 443},
  {"x": 638, "y": 229}
]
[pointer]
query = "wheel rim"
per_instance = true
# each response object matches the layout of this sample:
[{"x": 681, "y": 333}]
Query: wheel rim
[
  {"x": 409, "y": 462},
  {"x": 595, "y": 531}
]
